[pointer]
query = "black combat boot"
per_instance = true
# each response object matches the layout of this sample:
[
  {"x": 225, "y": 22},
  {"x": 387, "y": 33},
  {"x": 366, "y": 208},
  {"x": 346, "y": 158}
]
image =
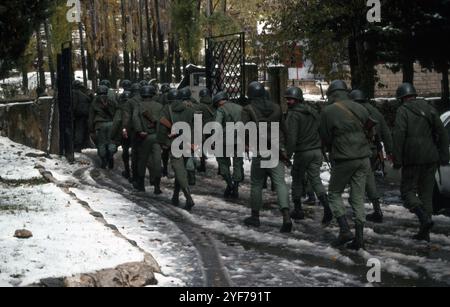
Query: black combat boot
[
  {"x": 126, "y": 164},
  {"x": 157, "y": 185},
  {"x": 229, "y": 190},
  {"x": 358, "y": 242},
  {"x": 426, "y": 225},
  {"x": 191, "y": 178},
  {"x": 327, "y": 213},
  {"x": 176, "y": 195},
  {"x": 287, "y": 222},
  {"x": 345, "y": 235},
  {"x": 253, "y": 221},
  {"x": 189, "y": 201},
  {"x": 265, "y": 185},
  {"x": 165, "y": 162},
  {"x": 139, "y": 185},
  {"x": 311, "y": 199},
  {"x": 104, "y": 163},
  {"x": 377, "y": 215},
  {"x": 202, "y": 167},
  {"x": 235, "y": 192},
  {"x": 298, "y": 214}
]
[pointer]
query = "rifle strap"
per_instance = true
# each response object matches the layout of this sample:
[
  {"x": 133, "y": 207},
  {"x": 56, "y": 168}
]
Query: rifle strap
[{"x": 343, "y": 107}]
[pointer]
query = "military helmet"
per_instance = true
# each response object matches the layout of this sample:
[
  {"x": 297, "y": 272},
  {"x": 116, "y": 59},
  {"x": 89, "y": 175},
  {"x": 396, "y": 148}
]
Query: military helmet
[
  {"x": 256, "y": 90},
  {"x": 102, "y": 90},
  {"x": 358, "y": 96},
  {"x": 135, "y": 88},
  {"x": 106, "y": 83},
  {"x": 204, "y": 93},
  {"x": 126, "y": 84},
  {"x": 165, "y": 87},
  {"x": 337, "y": 85},
  {"x": 173, "y": 95},
  {"x": 220, "y": 96},
  {"x": 405, "y": 90},
  {"x": 148, "y": 91},
  {"x": 77, "y": 84},
  {"x": 143, "y": 83},
  {"x": 294, "y": 93},
  {"x": 185, "y": 93}
]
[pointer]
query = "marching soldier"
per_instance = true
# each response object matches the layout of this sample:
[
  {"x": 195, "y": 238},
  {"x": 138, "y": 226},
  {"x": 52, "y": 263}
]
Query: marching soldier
[
  {"x": 112, "y": 95},
  {"x": 146, "y": 117},
  {"x": 262, "y": 110},
  {"x": 303, "y": 141},
  {"x": 420, "y": 145},
  {"x": 165, "y": 88},
  {"x": 186, "y": 97},
  {"x": 206, "y": 108},
  {"x": 382, "y": 136},
  {"x": 81, "y": 106},
  {"x": 176, "y": 111},
  {"x": 342, "y": 130},
  {"x": 228, "y": 112},
  {"x": 121, "y": 126},
  {"x": 101, "y": 117}
]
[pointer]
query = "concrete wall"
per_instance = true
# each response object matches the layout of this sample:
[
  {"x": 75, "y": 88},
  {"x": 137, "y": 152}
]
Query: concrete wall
[{"x": 28, "y": 124}]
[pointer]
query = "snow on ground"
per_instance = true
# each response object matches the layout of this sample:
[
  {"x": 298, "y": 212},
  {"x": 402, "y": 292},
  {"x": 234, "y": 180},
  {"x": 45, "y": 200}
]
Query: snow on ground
[
  {"x": 14, "y": 165},
  {"x": 66, "y": 238},
  {"x": 155, "y": 234}
]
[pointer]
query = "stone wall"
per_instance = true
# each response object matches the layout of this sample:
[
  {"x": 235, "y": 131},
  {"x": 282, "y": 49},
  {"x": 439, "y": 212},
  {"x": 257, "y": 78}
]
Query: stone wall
[
  {"x": 28, "y": 124},
  {"x": 428, "y": 83}
]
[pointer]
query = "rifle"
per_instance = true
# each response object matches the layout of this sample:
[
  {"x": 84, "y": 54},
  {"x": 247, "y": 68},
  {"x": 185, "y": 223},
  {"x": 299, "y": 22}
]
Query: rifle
[{"x": 148, "y": 117}]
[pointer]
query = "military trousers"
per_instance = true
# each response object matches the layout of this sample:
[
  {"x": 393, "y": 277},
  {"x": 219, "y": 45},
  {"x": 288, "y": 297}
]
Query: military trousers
[
  {"x": 81, "y": 133},
  {"x": 417, "y": 186},
  {"x": 179, "y": 169},
  {"x": 353, "y": 173},
  {"x": 149, "y": 156},
  {"x": 277, "y": 175},
  {"x": 105, "y": 146},
  {"x": 307, "y": 163},
  {"x": 238, "y": 168},
  {"x": 371, "y": 185}
]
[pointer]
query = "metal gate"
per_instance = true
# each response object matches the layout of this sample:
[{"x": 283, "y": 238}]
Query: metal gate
[{"x": 225, "y": 65}]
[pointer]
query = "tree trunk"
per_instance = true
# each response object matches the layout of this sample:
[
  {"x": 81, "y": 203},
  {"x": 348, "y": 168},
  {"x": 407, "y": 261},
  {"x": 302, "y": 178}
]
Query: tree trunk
[
  {"x": 177, "y": 63},
  {"x": 83, "y": 56},
  {"x": 40, "y": 60},
  {"x": 170, "y": 59},
  {"x": 408, "y": 71},
  {"x": 51, "y": 66},
  {"x": 114, "y": 71},
  {"x": 141, "y": 42},
  {"x": 104, "y": 69},
  {"x": 126, "y": 54},
  {"x": 353, "y": 62},
  {"x": 151, "y": 55},
  {"x": 94, "y": 76},
  {"x": 162, "y": 67},
  {"x": 24, "y": 79},
  {"x": 90, "y": 67}
]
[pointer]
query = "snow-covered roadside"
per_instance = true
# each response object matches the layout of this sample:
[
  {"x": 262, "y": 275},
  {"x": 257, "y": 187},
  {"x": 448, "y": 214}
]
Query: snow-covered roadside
[{"x": 66, "y": 239}]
